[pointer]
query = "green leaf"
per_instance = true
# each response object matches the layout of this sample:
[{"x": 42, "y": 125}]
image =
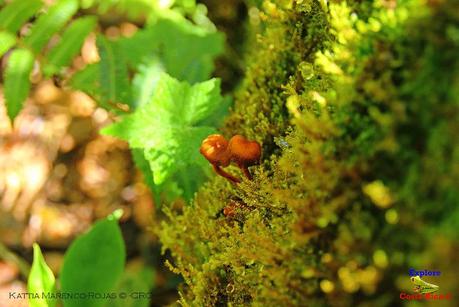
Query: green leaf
[
  {"x": 145, "y": 81},
  {"x": 15, "y": 14},
  {"x": 70, "y": 44},
  {"x": 217, "y": 117},
  {"x": 50, "y": 23},
  {"x": 194, "y": 63},
  {"x": 143, "y": 165},
  {"x": 7, "y": 40},
  {"x": 86, "y": 80},
  {"x": 169, "y": 128},
  {"x": 166, "y": 39},
  {"x": 181, "y": 148},
  {"x": 113, "y": 74},
  {"x": 41, "y": 280},
  {"x": 132, "y": 8},
  {"x": 17, "y": 84},
  {"x": 93, "y": 263},
  {"x": 134, "y": 280},
  {"x": 189, "y": 179},
  {"x": 115, "y": 215}
]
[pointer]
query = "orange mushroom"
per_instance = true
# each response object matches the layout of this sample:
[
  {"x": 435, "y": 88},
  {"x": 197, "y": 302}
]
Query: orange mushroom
[
  {"x": 230, "y": 210},
  {"x": 220, "y": 153},
  {"x": 215, "y": 149},
  {"x": 245, "y": 153}
]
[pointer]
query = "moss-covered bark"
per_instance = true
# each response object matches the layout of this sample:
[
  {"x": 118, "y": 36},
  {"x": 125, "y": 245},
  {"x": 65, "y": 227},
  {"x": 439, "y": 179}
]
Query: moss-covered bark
[{"x": 356, "y": 105}]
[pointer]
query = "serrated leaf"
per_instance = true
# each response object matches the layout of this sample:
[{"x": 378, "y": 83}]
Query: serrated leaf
[
  {"x": 41, "y": 280},
  {"x": 15, "y": 14},
  {"x": 70, "y": 44},
  {"x": 86, "y": 80},
  {"x": 168, "y": 127},
  {"x": 17, "y": 83},
  {"x": 94, "y": 263},
  {"x": 49, "y": 23},
  {"x": 145, "y": 81},
  {"x": 7, "y": 40},
  {"x": 181, "y": 149},
  {"x": 113, "y": 74},
  {"x": 166, "y": 39},
  {"x": 217, "y": 117},
  {"x": 194, "y": 63}
]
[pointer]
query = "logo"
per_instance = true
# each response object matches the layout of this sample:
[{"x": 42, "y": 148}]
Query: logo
[
  {"x": 413, "y": 272},
  {"x": 423, "y": 287},
  {"x": 424, "y": 290}
]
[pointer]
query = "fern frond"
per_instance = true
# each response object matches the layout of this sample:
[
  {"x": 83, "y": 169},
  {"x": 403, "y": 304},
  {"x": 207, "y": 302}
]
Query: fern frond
[
  {"x": 15, "y": 14},
  {"x": 7, "y": 40},
  {"x": 50, "y": 23},
  {"x": 114, "y": 79},
  {"x": 69, "y": 45},
  {"x": 132, "y": 8},
  {"x": 17, "y": 84},
  {"x": 86, "y": 80}
]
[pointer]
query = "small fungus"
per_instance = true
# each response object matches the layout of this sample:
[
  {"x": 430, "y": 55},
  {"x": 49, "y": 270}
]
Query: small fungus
[
  {"x": 230, "y": 210},
  {"x": 245, "y": 153},
  {"x": 215, "y": 149},
  {"x": 220, "y": 153}
]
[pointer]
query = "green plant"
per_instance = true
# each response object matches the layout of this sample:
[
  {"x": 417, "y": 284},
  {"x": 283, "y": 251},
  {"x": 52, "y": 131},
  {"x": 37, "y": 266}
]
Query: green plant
[
  {"x": 94, "y": 263},
  {"x": 151, "y": 52},
  {"x": 134, "y": 75},
  {"x": 128, "y": 71},
  {"x": 30, "y": 47},
  {"x": 41, "y": 279},
  {"x": 170, "y": 127},
  {"x": 354, "y": 105}
]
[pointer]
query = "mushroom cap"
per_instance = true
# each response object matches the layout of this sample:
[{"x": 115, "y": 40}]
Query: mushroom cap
[
  {"x": 243, "y": 151},
  {"x": 215, "y": 149}
]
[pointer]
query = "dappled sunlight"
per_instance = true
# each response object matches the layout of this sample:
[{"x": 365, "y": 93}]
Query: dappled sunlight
[{"x": 228, "y": 153}]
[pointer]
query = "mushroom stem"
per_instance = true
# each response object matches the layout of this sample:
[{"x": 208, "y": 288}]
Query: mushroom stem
[
  {"x": 228, "y": 176},
  {"x": 246, "y": 171}
]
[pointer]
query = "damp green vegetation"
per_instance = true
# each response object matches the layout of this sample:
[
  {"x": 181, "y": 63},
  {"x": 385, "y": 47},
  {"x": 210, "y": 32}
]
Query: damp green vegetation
[{"x": 356, "y": 106}]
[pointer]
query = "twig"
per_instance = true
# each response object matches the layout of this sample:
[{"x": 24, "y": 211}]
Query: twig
[{"x": 9, "y": 256}]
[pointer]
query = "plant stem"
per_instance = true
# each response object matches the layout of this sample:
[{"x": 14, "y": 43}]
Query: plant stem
[{"x": 9, "y": 256}]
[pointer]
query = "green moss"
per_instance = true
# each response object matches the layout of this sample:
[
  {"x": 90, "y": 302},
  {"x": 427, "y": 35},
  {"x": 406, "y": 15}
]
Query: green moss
[
  {"x": 287, "y": 38},
  {"x": 356, "y": 107}
]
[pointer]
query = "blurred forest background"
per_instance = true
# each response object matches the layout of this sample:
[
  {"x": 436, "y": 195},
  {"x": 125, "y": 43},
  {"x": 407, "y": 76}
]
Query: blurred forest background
[
  {"x": 354, "y": 102},
  {"x": 58, "y": 174}
]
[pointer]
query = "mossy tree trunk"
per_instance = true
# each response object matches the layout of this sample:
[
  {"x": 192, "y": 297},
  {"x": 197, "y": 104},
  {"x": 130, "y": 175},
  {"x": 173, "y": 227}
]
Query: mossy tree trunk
[{"x": 356, "y": 106}]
